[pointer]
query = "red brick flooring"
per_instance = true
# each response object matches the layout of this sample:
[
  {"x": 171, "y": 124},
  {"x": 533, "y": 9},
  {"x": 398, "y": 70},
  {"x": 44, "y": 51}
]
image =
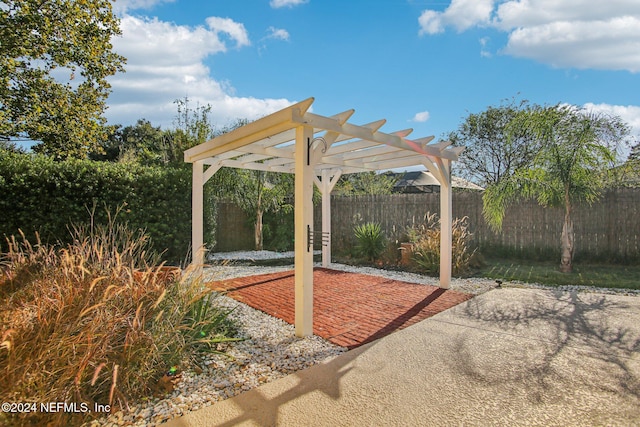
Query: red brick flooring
[{"x": 349, "y": 309}]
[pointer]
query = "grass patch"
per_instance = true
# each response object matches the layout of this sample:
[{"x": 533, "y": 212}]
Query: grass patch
[{"x": 547, "y": 273}]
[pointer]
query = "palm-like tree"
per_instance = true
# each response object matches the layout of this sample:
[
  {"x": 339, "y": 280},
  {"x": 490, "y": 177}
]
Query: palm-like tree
[{"x": 574, "y": 149}]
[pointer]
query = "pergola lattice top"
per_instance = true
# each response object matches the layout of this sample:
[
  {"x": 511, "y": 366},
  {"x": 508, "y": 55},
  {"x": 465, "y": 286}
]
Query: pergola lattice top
[{"x": 269, "y": 144}]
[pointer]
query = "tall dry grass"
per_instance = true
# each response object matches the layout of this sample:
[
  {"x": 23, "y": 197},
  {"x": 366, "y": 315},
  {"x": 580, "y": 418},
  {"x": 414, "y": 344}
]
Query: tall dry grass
[
  {"x": 95, "y": 322},
  {"x": 426, "y": 245}
]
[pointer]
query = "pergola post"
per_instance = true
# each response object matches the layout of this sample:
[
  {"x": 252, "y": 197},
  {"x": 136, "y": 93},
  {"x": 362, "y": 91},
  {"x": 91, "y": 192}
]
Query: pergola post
[
  {"x": 326, "y": 186},
  {"x": 199, "y": 177},
  {"x": 441, "y": 170},
  {"x": 326, "y": 218},
  {"x": 303, "y": 226},
  {"x": 197, "y": 214},
  {"x": 446, "y": 219}
]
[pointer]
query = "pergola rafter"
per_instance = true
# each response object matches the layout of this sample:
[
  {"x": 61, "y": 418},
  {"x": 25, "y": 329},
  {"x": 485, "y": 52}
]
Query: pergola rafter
[{"x": 318, "y": 149}]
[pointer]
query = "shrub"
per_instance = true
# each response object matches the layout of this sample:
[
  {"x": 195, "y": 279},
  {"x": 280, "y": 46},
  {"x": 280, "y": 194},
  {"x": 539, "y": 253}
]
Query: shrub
[
  {"x": 371, "y": 240},
  {"x": 40, "y": 195},
  {"x": 278, "y": 230},
  {"x": 95, "y": 321},
  {"x": 426, "y": 245}
]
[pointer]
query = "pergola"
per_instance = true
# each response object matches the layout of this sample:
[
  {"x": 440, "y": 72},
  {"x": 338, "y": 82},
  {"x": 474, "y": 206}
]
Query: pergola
[{"x": 318, "y": 149}]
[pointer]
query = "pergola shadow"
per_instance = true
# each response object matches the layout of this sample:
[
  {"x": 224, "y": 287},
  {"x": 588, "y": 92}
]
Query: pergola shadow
[
  {"x": 261, "y": 407},
  {"x": 405, "y": 317}
]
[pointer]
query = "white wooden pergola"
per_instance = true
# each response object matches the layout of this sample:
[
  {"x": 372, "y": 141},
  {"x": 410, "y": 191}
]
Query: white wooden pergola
[{"x": 318, "y": 149}]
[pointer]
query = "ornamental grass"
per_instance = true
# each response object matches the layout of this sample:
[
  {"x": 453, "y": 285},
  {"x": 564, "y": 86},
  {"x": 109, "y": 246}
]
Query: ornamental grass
[
  {"x": 426, "y": 245},
  {"x": 96, "y": 322}
]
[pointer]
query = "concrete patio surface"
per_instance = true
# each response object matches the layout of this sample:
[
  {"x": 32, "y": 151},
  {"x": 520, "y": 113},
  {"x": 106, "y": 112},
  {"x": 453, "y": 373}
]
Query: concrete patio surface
[{"x": 507, "y": 357}]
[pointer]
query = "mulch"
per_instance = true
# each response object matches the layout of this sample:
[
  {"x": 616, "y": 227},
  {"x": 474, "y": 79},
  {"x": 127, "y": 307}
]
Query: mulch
[{"x": 350, "y": 309}]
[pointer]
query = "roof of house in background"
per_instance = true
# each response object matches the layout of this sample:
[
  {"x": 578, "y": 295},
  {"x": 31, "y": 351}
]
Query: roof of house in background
[{"x": 424, "y": 181}]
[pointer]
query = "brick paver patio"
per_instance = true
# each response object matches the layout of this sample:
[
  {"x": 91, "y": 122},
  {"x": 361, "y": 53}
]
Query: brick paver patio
[{"x": 349, "y": 309}]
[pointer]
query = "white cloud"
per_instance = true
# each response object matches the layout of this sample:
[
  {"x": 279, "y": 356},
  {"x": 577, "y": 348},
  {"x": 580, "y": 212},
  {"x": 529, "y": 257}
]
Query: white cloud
[
  {"x": 609, "y": 45},
  {"x": 562, "y": 33},
  {"x": 461, "y": 14},
  {"x": 286, "y": 3},
  {"x": 165, "y": 62},
  {"x": 484, "y": 52},
  {"x": 431, "y": 22},
  {"x": 277, "y": 33},
  {"x": 153, "y": 42},
  {"x": 630, "y": 114},
  {"x": 234, "y": 29},
  {"x": 421, "y": 117},
  {"x": 527, "y": 13}
]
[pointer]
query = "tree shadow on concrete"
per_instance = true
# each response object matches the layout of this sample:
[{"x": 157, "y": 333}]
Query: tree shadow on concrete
[{"x": 584, "y": 341}]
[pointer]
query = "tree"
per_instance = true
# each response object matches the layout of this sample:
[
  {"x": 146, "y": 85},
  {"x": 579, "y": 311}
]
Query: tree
[
  {"x": 192, "y": 127},
  {"x": 7, "y": 145},
  {"x": 258, "y": 192},
  {"x": 575, "y": 148},
  {"x": 150, "y": 145},
  {"x": 363, "y": 183},
  {"x": 142, "y": 143},
  {"x": 55, "y": 58},
  {"x": 490, "y": 154},
  {"x": 628, "y": 174},
  {"x": 634, "y": 154}
]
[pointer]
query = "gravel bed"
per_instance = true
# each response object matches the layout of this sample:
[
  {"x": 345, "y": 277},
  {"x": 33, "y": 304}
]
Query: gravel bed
[
  {"x": 249, "y": 255},
  {"x": 270, "y": 349},
  {"x": 252, "y": 255}
]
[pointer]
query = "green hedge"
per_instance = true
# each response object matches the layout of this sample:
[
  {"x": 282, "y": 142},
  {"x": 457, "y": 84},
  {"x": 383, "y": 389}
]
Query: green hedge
[{"x": 39, "y": 194}]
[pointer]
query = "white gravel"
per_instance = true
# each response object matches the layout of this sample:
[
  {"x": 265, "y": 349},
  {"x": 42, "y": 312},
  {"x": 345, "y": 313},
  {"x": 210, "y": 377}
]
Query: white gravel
[
  {"x": 271, "y": 349},
  {"x": 252, "y": 255},
  {"x": 249, "y": 255}
]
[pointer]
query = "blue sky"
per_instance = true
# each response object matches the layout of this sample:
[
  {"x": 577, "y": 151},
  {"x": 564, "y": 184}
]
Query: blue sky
[{"x": 419, "y": 64}]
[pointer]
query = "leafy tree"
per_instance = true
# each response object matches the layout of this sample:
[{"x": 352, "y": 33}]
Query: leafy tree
[
  {"x": 7, "y": 145},
  {"x": 192, "y": 127},
  {"x": 634, "y": 154},
  {"x": 490, "y": 153},
  {"x": 150, "y": 145},
  {"x": 55, "y": 58},
  {"x": 575, "y": 148},
  {"x": 363, "y": 183},
  {"x": 142, "y": 143},
  {"x": 628, "y": 174},
  {"x": 258, "y": 192}
]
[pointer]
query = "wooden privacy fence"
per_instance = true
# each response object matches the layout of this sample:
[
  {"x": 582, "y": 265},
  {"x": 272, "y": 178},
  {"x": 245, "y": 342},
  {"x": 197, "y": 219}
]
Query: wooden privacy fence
[{"x": 610, "y": 228}]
